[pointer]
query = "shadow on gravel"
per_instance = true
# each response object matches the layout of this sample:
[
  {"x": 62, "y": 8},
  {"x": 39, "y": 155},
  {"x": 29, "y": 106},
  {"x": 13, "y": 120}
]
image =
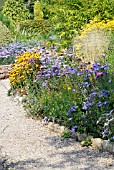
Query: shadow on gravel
[{"x": 65, "y": 155}]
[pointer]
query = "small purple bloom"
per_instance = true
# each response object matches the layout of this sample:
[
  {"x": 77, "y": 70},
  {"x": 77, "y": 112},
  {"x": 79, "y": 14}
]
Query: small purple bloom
[
  {"x": 86, "y": 84},
  {"x": 106, "y": 102},
  {"x": 70, "y": 118},
  {"x": 99, "y": 74},
  {"x": 96, "y": 66},
  {"x": 74, "y": 90},
  {"x": 85, "y": 106},
  {"x": 99, "y": 103},
  {"x": 83, "y": 116},
  {"x": 73, "y": 108},
  {"x": 103, "y": 55},
  {"x": 74, "y": 128},
  {"x": 31, "y": 60}
]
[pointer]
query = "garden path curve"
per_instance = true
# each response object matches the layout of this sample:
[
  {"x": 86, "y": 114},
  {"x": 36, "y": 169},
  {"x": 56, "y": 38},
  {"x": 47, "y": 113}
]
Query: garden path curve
[{"x": 26, "y": 145}]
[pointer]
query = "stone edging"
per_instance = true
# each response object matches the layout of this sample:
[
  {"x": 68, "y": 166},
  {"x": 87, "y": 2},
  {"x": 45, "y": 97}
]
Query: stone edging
[{"x": 4, "y": 71}]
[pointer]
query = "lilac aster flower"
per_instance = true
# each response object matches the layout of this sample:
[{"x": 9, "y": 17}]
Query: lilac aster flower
[
  {"x": 99, "y": 103},
  {"x": 31, "y": 60},
  {"x": 74, "y": 90},
  {"x": 70, "y": 118},
  {"x": 74, "y": 128},
  {"x": 83, "y": 116},
  {"x": 85, "y": 106},
  {"x": 103, "y": 55},
  {"x": 99, "y": 74}
]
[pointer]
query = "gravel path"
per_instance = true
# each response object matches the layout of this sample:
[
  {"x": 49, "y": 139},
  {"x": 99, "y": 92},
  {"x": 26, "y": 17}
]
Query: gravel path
[{"x": 26, "y": 145}]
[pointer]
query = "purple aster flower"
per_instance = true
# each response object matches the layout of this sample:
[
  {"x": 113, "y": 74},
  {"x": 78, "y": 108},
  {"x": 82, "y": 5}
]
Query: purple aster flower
[
  {"x": 86, "y": 84},
  {"x": 31, "y": 60},
  {"x": 96, "y": 66},
  {"x": 99, "y": 103},
  {"x": 99, "y": 74},
  {"x": 103, "y": 55},
  {"x": 85, "y": 106},
  {"x": 74, "y": 128},
  {"x": 104, "y": 92},
  {"x": 106, "y": 102},
  {"x": 83, "y": 116},
  {"x": 84, "y": 91},
  {"x": 70, "y": 118},
  {"x": 73, "y": 108},
  {"x": 74, "y": 90}
]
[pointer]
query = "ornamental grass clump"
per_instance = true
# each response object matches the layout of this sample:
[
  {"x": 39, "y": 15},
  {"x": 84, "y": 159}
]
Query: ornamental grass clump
[{"x": 94, "y": 40}]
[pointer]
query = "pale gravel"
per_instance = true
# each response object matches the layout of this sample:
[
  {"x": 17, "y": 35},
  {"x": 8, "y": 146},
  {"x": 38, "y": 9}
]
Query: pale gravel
[{"x": 27, "y": 145}]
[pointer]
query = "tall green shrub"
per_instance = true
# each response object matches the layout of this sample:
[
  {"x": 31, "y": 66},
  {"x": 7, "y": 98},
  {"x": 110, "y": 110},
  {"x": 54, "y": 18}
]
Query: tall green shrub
[{"x": 38, "y": 14}]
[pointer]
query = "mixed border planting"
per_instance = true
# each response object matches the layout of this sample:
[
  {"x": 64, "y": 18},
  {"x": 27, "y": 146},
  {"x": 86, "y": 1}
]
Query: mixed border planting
[{"x": 66, "y": 75}]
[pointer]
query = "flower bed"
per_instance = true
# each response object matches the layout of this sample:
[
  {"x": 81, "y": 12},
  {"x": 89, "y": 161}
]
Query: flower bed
[{"x": 72, "y": 94}]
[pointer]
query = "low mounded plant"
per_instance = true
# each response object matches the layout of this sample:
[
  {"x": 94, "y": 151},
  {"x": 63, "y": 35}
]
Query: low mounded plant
[{"x": 23, "y": 69}]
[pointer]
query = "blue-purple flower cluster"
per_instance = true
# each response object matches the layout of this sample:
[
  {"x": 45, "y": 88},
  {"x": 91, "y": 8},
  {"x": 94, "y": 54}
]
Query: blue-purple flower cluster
[{"x": 10, "y": 51}]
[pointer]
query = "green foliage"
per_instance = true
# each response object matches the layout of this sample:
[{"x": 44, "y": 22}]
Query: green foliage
[
  {"x": 38, "y": 14},
  {"x": 15, "y": 10},
  {"x": 6, "y": 21},
  {"x": 66, "y": 135},
  {"x": 67, "y": 17},
  {"x": 5, "y": 35},
  {"x": 33, "y": 26},
  {"x": 1, "y": 4},
  {"x": 87, "y": 142}
]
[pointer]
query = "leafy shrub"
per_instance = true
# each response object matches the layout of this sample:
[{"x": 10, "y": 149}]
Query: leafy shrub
[
  {"x": 33, "y": 26},
  {"x": 67, "y": 17},
  {"x": 94, "y": 40},
  {"x": 5, "y": 35},
  {"x": 15, "y": 10}
]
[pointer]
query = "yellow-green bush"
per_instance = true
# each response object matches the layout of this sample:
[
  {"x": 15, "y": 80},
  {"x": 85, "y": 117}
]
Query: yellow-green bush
[
  {"x": 38, "y": 14},
  {"x": 16, "y": 10},
  {"x": 94, "y": 40},
  {"x": 23, "y": 69}
]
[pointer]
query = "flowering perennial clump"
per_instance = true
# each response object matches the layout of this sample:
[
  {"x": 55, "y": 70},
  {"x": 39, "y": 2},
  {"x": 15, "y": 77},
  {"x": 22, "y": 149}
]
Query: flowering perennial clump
[
  {"x": 67, "y": 92},
  {"x": 25, "y": 64}
]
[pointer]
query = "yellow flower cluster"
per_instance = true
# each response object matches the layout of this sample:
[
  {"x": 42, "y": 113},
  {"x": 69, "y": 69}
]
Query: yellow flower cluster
[
  {"x": 24, "y": 66},
  {"x": 94, "y": 24}
]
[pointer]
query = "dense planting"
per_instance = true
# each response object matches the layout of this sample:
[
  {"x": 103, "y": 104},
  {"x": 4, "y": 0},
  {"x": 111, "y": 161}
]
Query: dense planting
[
  {"x": 68, "y": 93},
  {"x": 67, "y": 74}
]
